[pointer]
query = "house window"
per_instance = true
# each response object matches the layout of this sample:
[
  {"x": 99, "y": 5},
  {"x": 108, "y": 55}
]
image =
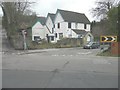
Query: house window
[
  {"x": 58, "y": 25},
  {"x": 85, "y": 26},
  {"x": 36, "y": 38},
  {"x": 54, "y": 26},
  {"x": 46, "y": 35},
  {"x": 60, "y": 35},
  {"x": 80, "y": 36},
  {"x": 56, "y": 35},
  {"x": 69, "y": 25},
  {"x": 52, "y": 30},
  {"x": 52, "y": 38}
]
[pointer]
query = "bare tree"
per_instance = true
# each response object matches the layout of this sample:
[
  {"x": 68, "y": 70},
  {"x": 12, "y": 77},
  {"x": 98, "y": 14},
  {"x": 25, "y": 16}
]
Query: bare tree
[
  {"x": 102, "y": 7},
  {"x": 14, "y": 11},
  {"x": 14, "y": 17}
]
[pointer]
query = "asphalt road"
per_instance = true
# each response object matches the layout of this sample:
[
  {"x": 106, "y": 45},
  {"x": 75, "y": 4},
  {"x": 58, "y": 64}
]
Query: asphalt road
[{"x": 60, "y": 68}]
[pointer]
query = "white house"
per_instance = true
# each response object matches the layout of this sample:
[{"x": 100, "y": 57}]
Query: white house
[
  {"x": 66, "y": 22},
  {"x": 39, "y": 29},
  {"x": 63, "y": 24},
  {"x": 50, "y": 27}
]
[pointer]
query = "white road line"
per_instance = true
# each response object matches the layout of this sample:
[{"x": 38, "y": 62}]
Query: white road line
[
  {"x": 101, "y": 62},
  {"x": 85, "y": 53},
  {"x": 54, "y": 55},
  {"x": 62, "y": 55},
  {"x": 71, "y": 55}
]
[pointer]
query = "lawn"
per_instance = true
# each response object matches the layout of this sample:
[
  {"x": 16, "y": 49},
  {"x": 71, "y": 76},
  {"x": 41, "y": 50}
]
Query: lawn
[{"x": 107, "y": 53}]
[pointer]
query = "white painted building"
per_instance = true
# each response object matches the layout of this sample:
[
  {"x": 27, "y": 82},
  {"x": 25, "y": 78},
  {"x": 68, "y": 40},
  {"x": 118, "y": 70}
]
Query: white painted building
[
  {"x": 66, "y": 21},
  {"x": 50, "y": 27},
  {"x": 39, "y": 29},
  {"x": 63, "y": 24}
]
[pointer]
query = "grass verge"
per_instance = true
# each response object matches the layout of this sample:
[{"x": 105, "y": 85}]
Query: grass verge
[{"x": 107, "y": 53}]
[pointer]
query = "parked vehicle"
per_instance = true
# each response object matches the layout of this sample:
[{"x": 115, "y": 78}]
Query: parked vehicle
[{"x": 91, "y": 45}]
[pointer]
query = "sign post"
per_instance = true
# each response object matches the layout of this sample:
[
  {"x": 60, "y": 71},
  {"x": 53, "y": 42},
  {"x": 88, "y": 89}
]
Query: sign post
[
  {"x": 108, "y": 39},
  {"x": 24, "y": 39}
]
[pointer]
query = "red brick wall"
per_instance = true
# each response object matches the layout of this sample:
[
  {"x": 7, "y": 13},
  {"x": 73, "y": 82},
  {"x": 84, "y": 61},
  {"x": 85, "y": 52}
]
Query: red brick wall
[{"x": 115, "y": 48}]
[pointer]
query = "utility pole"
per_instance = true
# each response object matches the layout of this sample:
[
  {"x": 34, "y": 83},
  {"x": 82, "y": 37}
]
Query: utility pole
[{"x": 24, "y": 39}]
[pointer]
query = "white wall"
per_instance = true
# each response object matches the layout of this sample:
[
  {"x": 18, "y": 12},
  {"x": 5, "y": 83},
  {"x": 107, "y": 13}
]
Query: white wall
[
  {"x": 58, "y": 18},
  {"x": 80, "y": 26},
  {"x": 38, "y": 30},
  {"x": 49, "y": 24},
  {"x": 74, "y": 35},
  {"x": 46, "y": 31},
  {"x": 88, "y": 27},
  {"x": 73, "y": 25},
  {"x": 63, "y": 26}
]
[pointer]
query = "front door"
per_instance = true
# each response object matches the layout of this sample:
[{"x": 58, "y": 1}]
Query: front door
[
  {"x": 60, "y": 35},
  {"x": 88, "y": 38}
]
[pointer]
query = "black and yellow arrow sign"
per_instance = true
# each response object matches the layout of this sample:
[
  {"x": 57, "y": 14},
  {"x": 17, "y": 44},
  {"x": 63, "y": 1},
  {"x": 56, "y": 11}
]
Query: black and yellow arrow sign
[{"x": 108, "y": 38}]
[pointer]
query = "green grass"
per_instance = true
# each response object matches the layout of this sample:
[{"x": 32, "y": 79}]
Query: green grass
[
  {"x": 107, "y": 53},
  {"x": 47, "y": 45}
]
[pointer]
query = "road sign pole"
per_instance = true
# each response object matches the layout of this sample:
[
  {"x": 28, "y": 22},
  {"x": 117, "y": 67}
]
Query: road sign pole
[{"x": 24, "y": 40}]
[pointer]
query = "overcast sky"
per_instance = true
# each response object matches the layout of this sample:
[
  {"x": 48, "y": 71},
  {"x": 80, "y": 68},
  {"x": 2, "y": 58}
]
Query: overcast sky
[{"x": 43, "y": 7}]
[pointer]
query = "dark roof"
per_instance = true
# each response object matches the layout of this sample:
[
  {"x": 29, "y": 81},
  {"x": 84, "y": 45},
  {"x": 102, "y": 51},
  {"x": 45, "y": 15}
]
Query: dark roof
[
  {"x": 52, "y": 16},
  {"x": 82, "y": 32},
  {"x": 42, "y": 20},
  {"x": 70, "y": 16}
]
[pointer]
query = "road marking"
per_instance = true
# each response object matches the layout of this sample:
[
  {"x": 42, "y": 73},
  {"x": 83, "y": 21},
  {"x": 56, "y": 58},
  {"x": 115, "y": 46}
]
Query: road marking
[
  {"x": 54, "y": 55},
  {"x": 85, "y": 53},
  {"x": 101, "y": 62},
  {"x": 13, "y": 53},
  {"x": 61, "y": 55},
  {"x": 71, "y": 55}
]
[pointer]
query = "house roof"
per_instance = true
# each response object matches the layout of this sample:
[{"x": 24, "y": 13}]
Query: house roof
[
  {"x": 78, "y": 31},
  {"x": 42, "y": 20},
  {"x": 52, "y": 16},
  {"x": 71, "y": 16}
]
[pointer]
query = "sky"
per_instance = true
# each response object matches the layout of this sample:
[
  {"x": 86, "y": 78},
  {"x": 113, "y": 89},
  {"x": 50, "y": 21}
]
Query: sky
[{"x": 43, "y": 7}]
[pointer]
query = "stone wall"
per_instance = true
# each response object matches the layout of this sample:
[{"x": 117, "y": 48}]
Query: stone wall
[
  {"x": 71, "y": 41},
  {"x": 115, "y": 48}
]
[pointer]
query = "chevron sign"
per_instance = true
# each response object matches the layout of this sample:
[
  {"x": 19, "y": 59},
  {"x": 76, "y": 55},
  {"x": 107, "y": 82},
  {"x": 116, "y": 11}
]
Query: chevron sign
[{"x": 108, "y": 38}]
